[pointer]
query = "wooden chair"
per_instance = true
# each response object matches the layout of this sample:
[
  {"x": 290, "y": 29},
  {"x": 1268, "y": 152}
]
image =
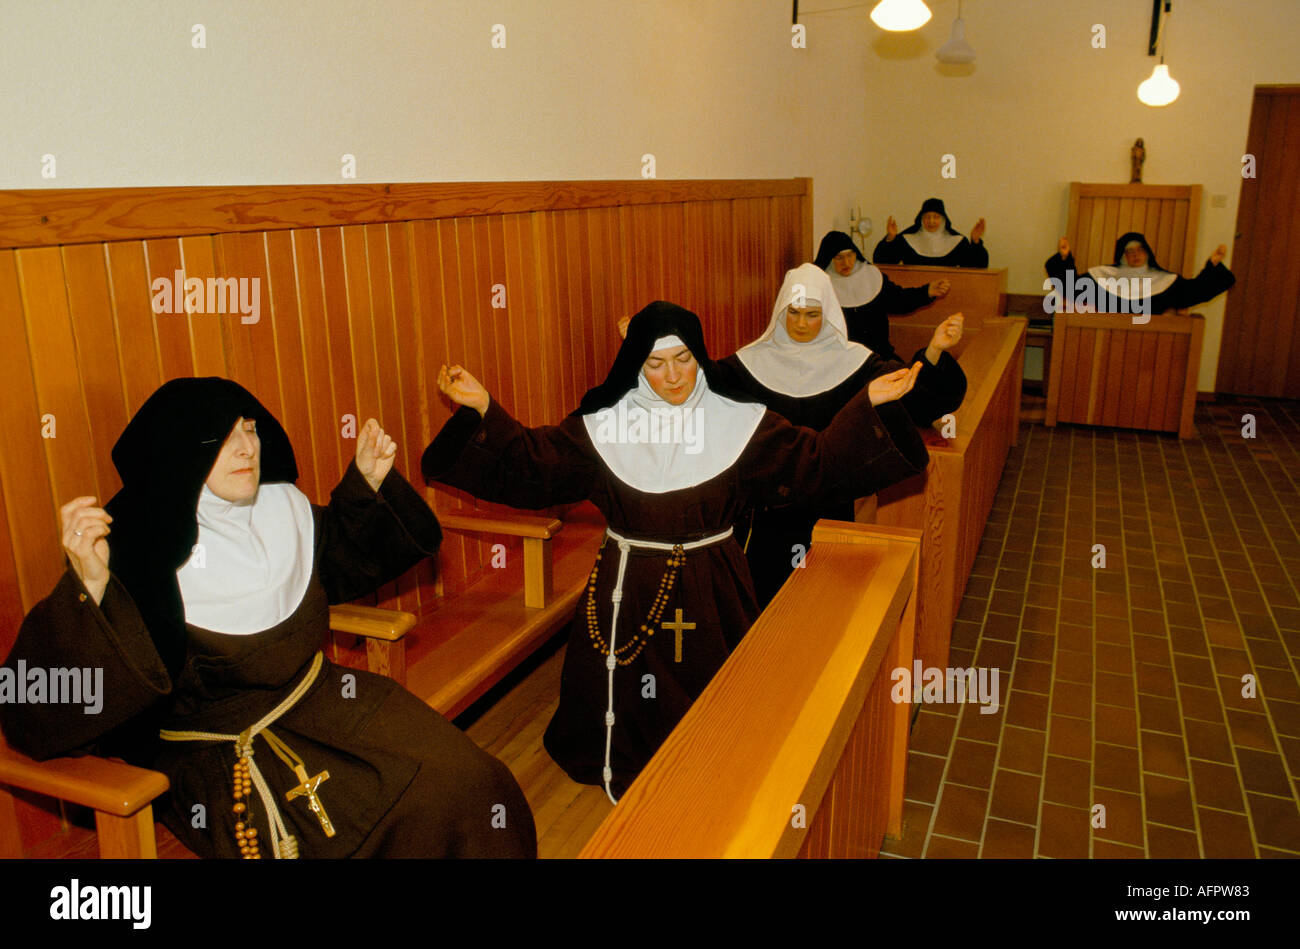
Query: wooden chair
[{"x": 1107, "y": 369}]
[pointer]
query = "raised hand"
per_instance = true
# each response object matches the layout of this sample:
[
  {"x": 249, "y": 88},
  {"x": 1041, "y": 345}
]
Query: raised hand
[
  {"x": 463, "y": 389},
  {"x": 891, "y": 228},
  {"x": 622, "y": 326},
  {"x": 939, "y": 288},
  {"x": 1219, "y": 253},
  {"x": 893, "y": 385},
  {"x": 946, "y": 335},
  {"x": 1063, "y": 248},
  {"x": 85, "y": 527},
  {"x": 376, "y": 451},
  {"x": 977, "y": 232}
]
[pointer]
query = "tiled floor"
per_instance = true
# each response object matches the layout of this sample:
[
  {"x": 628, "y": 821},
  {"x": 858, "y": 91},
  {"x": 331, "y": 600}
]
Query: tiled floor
[{"x": 1130, "y": 725}]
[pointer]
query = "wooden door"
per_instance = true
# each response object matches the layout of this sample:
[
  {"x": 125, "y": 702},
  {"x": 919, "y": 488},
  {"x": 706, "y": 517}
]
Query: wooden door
[{"x": 1259, "y": 354}]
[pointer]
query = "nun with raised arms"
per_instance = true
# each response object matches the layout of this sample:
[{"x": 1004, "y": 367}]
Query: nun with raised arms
[
  {"x": 671, "y": 455},
  {"x": 805, "y": 368},
  {"x": 932, "y": 241},
  {"x": 202, "y": 590},
  {"x": 1135, "y": 282},
  {"x": 867, "y": 297}
]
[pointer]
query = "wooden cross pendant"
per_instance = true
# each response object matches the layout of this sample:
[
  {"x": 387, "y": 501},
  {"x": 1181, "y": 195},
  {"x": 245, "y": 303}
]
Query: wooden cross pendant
[
  {"x": 677, "y": 627},
  {"x": 308, "y": 789}
]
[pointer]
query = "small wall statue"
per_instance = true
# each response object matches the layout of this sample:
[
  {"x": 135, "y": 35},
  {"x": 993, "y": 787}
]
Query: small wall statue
[{"x": 1137, "y": 155}]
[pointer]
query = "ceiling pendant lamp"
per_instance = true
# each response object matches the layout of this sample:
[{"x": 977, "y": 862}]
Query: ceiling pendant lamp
[
  {"x": 899, "y": 16},
  {"x": 956, "y": 50},
  {"x": 1159, "y": 88}
]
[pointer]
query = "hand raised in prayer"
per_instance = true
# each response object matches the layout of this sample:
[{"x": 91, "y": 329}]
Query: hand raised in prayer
[
  {"x": 85, "y": 528},
  {"x": 946, "y": 335},
  {"x": 376, "y": 451},
  {"x": 893, "y": 385},
  {"x": 1063, "y": 248},
  {"x": 463, "y": 389},
  {"x": 939, "y": 288},
  {"x": 1219, "y": 253},
  {"x": 622, "y": 326},
  {"x": 977, "y": 232},
  {"x": 891, "y": 228}
]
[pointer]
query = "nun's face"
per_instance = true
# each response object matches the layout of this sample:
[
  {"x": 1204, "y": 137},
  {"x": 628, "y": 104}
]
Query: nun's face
[
  {"x": 932, "y": 221},
  {"x": 803, "y": 323},
  {"x": 1134, "y": 255},
  {"x": 671, "y": 373},
  {"x": 234, "y": 476},
  {"x": 844, "y": 262}
]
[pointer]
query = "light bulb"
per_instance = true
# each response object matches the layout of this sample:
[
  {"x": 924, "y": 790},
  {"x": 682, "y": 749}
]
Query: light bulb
[
  {"x": 899, "y": 16},
  {"x": 1160, "y": 88},
  {"x": 956, "y": 50}
]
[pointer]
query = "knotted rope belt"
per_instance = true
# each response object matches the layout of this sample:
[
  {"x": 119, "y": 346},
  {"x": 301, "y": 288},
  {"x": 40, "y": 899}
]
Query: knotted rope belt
[
  {"x": 283, "y": 844},
  {"x": 611, "y": 661}
]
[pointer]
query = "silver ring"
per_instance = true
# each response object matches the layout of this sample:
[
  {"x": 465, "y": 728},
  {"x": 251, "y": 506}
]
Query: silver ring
[{"x": 78, "y": 533}]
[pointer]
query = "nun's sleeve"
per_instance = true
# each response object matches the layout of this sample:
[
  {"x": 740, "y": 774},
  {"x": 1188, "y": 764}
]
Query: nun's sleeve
[
  {"x": 1208, "y": 284},
  {"x": 495, "y": 458},
  {"x": 104, "y": 649},
  {"x": 373, "y": 537},
  {"x": 939, "y": 389},
  {"x": 975, "y": 255},
  {"x": 898, "y": 300},
  {"x": 863, "y": 450},
  {"x": 1061, "y": 268},
  {"x": 889, "y": 252}
]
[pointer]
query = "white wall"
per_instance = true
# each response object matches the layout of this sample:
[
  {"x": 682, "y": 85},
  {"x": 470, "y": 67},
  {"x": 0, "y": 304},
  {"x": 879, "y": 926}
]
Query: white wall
[{"x": 713, "y": 88}]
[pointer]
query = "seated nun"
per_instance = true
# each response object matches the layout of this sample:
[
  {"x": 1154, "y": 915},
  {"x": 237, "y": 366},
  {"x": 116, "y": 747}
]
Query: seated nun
[
  {"x": 202, "y": 591},
  {"x": 806, "y": 369},
  {"x": 867, "y": 296},
  {"x": 671, "y": 455},
  {"x": 1134, "y": 283},
  {"x": 932, "y": 241}
]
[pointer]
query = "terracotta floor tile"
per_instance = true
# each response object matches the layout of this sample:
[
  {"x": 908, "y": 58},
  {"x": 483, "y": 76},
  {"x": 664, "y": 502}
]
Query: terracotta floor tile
[
  {"x": 978, "y": 725},
  {"x": 995, "y": 652},
  {"x": 1186, "y": 640},
  {"x": 1116, "y": 658},
  {"x": 1074, "y": 638},
  {"x": 1022, "y": 749},
  {"x": 1015, "y": 797},
  {"x": 932, "y": 733},
  {"x": 1221, "y": 633},
  {"x": 1198, "y": 703},
  {"x": 1285, "y": 716},
  {"x": 1116, "y": 726},
  {"x": 1070, "y": 737},
  {"x": 1153, "y": 650},
  {"x": 1168, "y": 843},
  {"x": 1032, "y": 676},
  {"x": 1007, "y": 602},
  {"x": 1156, "y": 680},
  {"x": 997, "y": 626},
  {"x": 1263, "y": 772},
  {"x": 1168, "y": 801},
  {"x": 916, "y": 828},
  {"x": 1164, "y": 754},
  {"x": 1074, "y": 666},
  {"x": 1194, "y": 670},
  {"x": 1067, "y": 781},
  {"x": 1225, "y": 836},
  {"x": 1276, "y": 684},
  {"x": 1027, "y": 709},
  {"x": 1005, "y": 840},
  {"x": 1105, "y": 850},
  {"x": 1116, "y": 767},
  {"x": 945, "y": 848},
  {"x": 1268, "y": 654},
  {"x": 1148, "y": 623},
  {"x": 1113, "y": 629},
  {"x": 1159, "y": 714},
  {"x": 1064, "y": 832},
  {"x": 1276, "y": 821},
  {"x": 1268, "y": 853},
  {"x": 1039, "y": 619},
  {"x": 924, "y": 773},
  {"x": 1231, "y": 662},
  {"x": 1115, "y": 690},
  {"x": 972, "y": 764},
  {"x": 1217, "y": 786},
  {"x": 1039, "y": 647},
  {"x": 961, "y": 812},
  {"x": 1208, "y": 740},
  {"x": 1250, "y": 731},
  {"x": 1291, "y": 751},
  {"x": 1123, "y": 817}
]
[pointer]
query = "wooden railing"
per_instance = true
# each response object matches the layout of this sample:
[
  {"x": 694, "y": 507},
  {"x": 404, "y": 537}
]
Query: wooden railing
[{"x": 796, "y": 747}]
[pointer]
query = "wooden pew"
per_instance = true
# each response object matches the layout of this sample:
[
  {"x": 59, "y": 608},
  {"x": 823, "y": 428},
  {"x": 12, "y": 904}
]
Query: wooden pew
[
  {"x": 795, "y": 747},
  {"x": 950, "y": 501},
  {"x": 975, "y": 292}
]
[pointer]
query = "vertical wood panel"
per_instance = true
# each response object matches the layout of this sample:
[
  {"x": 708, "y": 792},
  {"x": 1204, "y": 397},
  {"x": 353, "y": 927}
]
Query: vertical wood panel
[
  {"x": 129, "y": 285},
  {"x": 172, "y": 325},
  {"x": 1146, "y": 372}
]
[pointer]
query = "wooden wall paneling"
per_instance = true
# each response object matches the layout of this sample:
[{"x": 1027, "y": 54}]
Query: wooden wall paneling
[
  {"x": 313, "y": 333},
  {"x": 361, "y": 331},
  {"x": 558, "y": 314},
  {"x": 1177, "y": 365},
  {"x": 1124, "y": 215},
  {"x": 1129, "y": 378},
  {"x": 283, "y": 317},
  {"x": 1160, "y": 383},
  {"x": 172, "y": 324},
  {"x": 1068, "y": 361},
  {"x": 1187, "y": 391},
  {"x": 133, "y": 321},
  {"x": 207, "y": 341},
  {"x": 1106, "y": 379},
  {"x": 530, "y": 356},
  {"x": 752, "y": 301},
  {"x": 55, "y": 371},
  {"x": 608, "y": 293},
  {"x": 1146, "y": 374},
  {"x": 1234, "y": 345},
  {"x": 241, "y": 361},
  {"x": 1284, "y": 291},
  {"x": 490, "y": 270},
  {"x": 90, "y": 307},
  {"x": 477, "y": 266},
  {"x": 673, "y": 248}
]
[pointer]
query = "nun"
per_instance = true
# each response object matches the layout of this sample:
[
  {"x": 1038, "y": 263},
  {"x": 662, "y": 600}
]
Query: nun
[
  {"x": 805, "y": 368},
  {"x": 202, "y": 590},
  {"x": 932, "y": 241},
  {"x": 1134, "y": 283},
  {"x": 867, "y": 296},
  {"x": 671, "y": 455}
]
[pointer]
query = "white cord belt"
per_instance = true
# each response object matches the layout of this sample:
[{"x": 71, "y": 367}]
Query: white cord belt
[{"x": 624, "y": 545}]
